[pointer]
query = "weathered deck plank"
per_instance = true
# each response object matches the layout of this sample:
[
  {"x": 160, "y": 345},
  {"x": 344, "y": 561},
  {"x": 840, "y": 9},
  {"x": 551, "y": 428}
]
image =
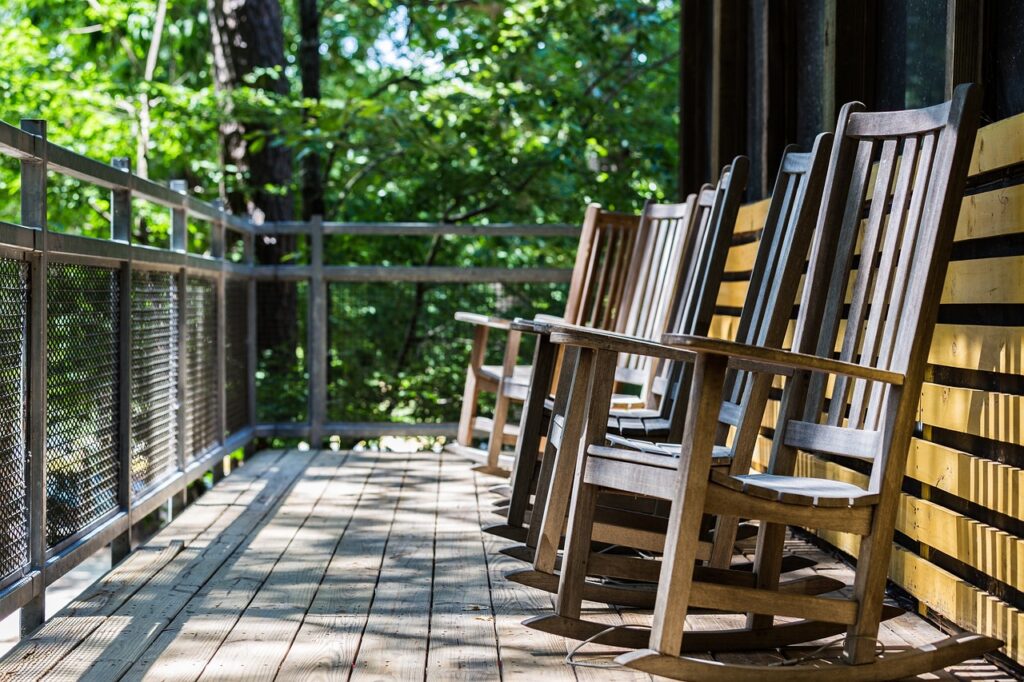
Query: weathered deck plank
[
  {"x": 340, "y": 566},
  {"x": 326, "y": 644},
  {"x": 463, "y": 643},
  {"x": 394, "y": 643},
  {"x": 36, "y": 655}
]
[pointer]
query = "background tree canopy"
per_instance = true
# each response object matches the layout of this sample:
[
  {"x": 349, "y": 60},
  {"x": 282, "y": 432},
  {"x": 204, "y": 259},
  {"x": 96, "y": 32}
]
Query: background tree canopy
[{"x": 378, "y": 110}]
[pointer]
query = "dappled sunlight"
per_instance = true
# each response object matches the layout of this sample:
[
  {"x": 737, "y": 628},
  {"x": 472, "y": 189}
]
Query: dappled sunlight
[{"x": 362, "y": 564}]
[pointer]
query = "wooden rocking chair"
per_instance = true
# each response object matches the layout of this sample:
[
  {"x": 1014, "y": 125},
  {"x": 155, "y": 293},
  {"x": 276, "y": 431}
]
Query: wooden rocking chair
[
  {"x": 868, "y": 414},
  {"x": 764, "y": 320},
  {"x": 601, "y": 277},
  {"x": 696, "y": 270}
]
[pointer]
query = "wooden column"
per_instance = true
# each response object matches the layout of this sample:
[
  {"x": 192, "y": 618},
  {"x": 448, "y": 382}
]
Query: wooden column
[
  {"x": 964, "y": 29},
  {"x": 728, "y": 84},
  {"x": 33, "y": 214},
  {"x": 694, "y": 77}
]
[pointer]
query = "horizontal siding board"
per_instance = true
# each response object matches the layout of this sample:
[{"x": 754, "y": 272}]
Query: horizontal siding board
[
  {"x": 976, "y": 347},
  {"x": 997, "y": 416},
  {"x": 999, "y": 145},
  {"x": 988, "y": 484},
  {"x": 992, "y": 214},
  {"x": 989, "y": 280}
]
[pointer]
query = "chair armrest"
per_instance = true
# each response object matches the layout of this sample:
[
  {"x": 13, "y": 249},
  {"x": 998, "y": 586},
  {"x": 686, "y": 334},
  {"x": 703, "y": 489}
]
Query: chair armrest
[
  {"x": 771, "y": 359},
  {"x": 484, "y": 320},
  {"x": 541, "y": 324},
  {"x": 621, "y": 343}
]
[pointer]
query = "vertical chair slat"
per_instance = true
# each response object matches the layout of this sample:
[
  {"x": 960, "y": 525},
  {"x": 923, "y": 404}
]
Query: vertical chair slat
[
  {"x": 887, "y": 283},
  {"x": 864, "y": 278}
]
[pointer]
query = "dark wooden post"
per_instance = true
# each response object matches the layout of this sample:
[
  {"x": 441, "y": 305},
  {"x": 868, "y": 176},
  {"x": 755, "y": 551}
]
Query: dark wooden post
[
  {"x": 963, "y": 43},
  {"x": 121, "y": 230},
  {"x": 694, "y": 46},
  {"x": 33, "y": 214}
]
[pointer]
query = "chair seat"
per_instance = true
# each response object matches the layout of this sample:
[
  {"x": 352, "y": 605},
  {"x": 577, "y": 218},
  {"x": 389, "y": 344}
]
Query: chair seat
[
  {"x": 638, "y": 451},
  {"x": 520, "y": 375},
  {"x": 802, "y": 490}
]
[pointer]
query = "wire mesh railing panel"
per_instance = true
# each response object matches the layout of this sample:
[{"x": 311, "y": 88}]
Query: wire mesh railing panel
[
  {"x": 282, "y": 374},
  {"x": 411, "y": 366},
  {"x": 201, "y": 405},
  {"x": 82, "y": 397},
  {"x": 236, "y": 369},
  {"x": 13, "y": 428},
  {"x": 154, "y": 377}
]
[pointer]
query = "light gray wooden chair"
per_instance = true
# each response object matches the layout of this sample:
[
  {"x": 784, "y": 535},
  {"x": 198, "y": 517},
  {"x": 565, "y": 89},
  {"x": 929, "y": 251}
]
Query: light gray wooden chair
[
  {"x": 688, "y": 304},
  {"x": 601, "y": 279},
  {"x": 764, "y": 320}
]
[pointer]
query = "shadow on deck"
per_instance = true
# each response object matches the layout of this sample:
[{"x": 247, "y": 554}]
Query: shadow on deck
[{"x": 334, "y": 564}]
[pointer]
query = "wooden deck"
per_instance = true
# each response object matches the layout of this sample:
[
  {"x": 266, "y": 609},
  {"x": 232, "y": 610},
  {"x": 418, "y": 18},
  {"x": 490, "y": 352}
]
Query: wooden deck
[{"x": 327, "y": 565}]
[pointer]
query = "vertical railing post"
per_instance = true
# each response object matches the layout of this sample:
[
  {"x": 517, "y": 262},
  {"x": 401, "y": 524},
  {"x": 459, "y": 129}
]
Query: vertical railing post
[
  {"x": 218, "y": 251},
  {"x": 33, "y": 214},
  {"x": 252, "y": 357},
  {"x": 317, "y": 342},
  {"x": 121, "y": 230},
  {"x": 179, "y": 243}
]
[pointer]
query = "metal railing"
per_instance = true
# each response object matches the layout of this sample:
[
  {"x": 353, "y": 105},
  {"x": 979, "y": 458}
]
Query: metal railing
[{"x": 129, "y": 371}]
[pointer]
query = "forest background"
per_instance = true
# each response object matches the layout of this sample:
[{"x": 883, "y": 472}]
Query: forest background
[{"x": 459, "y": 111}]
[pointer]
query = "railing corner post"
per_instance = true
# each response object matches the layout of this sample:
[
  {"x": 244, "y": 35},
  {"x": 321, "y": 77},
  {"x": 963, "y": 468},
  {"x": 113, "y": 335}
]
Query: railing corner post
[{"x": 33, "y": 214}]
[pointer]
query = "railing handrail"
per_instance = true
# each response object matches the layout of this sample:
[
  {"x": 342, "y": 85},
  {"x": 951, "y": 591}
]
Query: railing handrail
[
  {"x": 419, "y": 229},
  {"x": 23, "y": 145}
]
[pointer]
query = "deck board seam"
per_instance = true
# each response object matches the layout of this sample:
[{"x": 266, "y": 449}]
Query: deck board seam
[
  {"x": 487, "y": 565},
  {"x": 380, "y": 570}
]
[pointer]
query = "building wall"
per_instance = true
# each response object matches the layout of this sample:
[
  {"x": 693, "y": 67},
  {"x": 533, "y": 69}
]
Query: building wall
[{"x": 960, "y": 535}]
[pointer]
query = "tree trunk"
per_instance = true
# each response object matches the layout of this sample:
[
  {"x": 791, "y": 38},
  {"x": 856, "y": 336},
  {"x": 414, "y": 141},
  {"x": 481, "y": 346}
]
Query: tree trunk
[
  {"x": 309, "y": 70},
  {"x": 249, "y": 35}
]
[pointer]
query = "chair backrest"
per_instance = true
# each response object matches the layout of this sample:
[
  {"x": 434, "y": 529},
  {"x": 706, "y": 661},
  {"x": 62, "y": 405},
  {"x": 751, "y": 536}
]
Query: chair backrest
[
  {"x": 600, "y": 275},
  {"x": 699, "y": 275},
  {"x": 774, "y": 281},
  {"x": 668, "y": 237},
  {"x": 893, "y": 190}
]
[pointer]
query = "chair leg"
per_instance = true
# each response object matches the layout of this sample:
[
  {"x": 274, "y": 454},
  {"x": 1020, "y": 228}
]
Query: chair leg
[
  {"x": 868, "y": 589},
  {"x": 682, "y": 539},
  {"x": 725, "y": 541},
  {"x": 528, "y": 445},
  {"x": 471, "y": 391},
  {"x": 566, "y": 370},
  {"x": 584, "y": 496},
  {"x": 497, "y": 438},
  {"x": 577, "y": 550},
  {"x": 563, "y": 467},
  {"x": 771, "y": 540}
]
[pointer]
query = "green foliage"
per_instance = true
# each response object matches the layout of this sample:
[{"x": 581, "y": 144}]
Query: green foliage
[{"x": 485, "y": 111}]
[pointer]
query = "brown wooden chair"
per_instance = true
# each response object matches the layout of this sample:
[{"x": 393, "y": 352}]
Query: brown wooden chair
[
  {"x": 601, "y": 277},
  {"x": 692, "y": 309},
  {"x": 772, "y": 292},
  {"x": 851, "y": 391},
  {"x": 709, "y": 239}
]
